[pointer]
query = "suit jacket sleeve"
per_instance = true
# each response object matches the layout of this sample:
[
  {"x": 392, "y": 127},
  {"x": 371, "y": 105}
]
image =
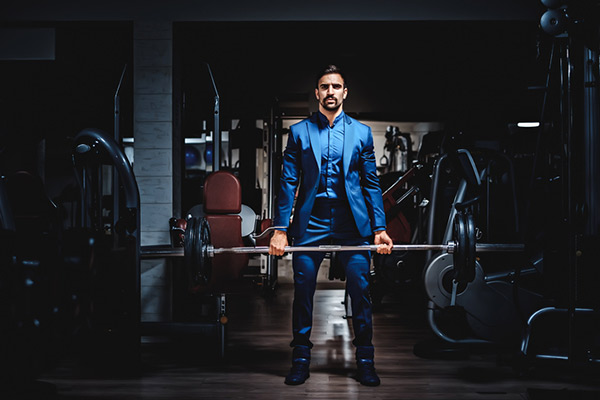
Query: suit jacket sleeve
[
  {"x": 290, "y": 177},
  {"x": 370, "y": 185}
]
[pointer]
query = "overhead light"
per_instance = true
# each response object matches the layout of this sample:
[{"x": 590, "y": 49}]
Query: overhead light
[
  {"x": 528, "y": 124},
  {"x": 194, "y": 141},
  {"x": 187, "y": 140}
]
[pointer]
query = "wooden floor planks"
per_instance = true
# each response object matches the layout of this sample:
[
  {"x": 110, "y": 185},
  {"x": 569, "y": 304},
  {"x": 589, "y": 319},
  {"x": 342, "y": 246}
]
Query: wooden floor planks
[{"x": 258, "y": 358}]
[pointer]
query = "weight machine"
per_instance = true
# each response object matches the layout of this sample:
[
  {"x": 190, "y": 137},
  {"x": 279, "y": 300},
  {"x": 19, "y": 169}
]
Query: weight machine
[
  {"x": 472, "y": 305},
  {"x": 560, "y": 322},
  {"x": 567, "y": 330}
]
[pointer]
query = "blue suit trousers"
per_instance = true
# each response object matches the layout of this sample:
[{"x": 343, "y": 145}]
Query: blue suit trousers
[{"x": 331, "y": 223}]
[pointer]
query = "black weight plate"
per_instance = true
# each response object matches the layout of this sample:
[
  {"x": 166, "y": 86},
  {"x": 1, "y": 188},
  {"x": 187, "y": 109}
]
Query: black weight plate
[
  {"x": 460, "y": 240},
  {"x": 469, "y": 248},
  {"x": 204, "y": 257},
  {"x": 198, "y": 252},
  {"x": 553, "y": 22},
  {"x": 188, "y": 247}
]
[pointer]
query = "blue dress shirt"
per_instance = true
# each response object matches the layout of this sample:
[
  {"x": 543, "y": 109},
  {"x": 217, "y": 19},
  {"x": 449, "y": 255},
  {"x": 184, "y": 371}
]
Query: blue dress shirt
[{"x": 331, "y": 184}]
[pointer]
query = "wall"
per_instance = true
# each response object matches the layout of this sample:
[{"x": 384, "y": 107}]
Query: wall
[{"x": 269, "y": 10}]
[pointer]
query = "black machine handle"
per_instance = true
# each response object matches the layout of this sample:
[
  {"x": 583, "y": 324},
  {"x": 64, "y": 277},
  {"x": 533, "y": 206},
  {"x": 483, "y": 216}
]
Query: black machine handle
[
  {"x": 90, "y": 138},
  {"x": 463, "y": 205}
]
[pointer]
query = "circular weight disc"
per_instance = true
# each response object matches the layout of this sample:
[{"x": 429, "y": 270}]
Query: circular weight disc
[
  {"x": 553, "y": 3},
  {"x": 461, "y": 240},
  {"x": 433, "y": 279},
  {"x": 198, "y": 267},
  {"x": 195, "y": 253},
  {"x": 553, "y": 22},
  {"x": 204, "y": 264},
  {"x": 188, "y": 247},
  {"x": 470, "y": 257},
  {"x": 197, "y": 211}
]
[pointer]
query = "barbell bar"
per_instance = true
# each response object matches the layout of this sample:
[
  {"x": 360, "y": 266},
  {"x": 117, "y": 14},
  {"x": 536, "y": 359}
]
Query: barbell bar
[
  {"x": 448, "y": 248},
  {"x": 198, "y": 249},
  {"x": 162, "y": 251}
]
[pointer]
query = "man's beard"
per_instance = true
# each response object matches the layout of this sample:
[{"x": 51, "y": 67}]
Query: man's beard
[{"x": 333, "y": 107}]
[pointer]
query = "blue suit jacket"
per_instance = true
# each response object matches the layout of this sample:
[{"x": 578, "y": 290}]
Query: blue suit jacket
[{"x": 302, "y": 166}]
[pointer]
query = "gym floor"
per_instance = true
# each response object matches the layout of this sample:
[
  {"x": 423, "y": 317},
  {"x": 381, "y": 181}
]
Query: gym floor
[{"x": 258, "y": 358}]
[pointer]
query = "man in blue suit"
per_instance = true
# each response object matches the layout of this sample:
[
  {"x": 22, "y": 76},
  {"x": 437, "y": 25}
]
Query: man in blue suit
[{"x": 330, "y": 160}]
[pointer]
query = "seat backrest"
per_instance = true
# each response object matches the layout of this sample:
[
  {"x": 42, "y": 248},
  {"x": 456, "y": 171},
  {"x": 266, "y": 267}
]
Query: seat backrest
[
  {"x": 222, "y": 193},
  {"x": 222, "y": 203}
]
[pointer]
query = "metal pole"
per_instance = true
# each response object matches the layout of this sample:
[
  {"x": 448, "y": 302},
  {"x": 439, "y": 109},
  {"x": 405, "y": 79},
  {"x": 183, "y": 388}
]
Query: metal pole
[
  {"x": 117, "y": 108},
  {"x": 271, "y": 146},
  {"x": 271, "y": 260},
  {"x": 217, "y": 130},
  {"x": 117, "y": 136},
  {"x": 592, "y": 144},
  {"x": 433, "y": 201},
  {"x": 84, "y": 198}
]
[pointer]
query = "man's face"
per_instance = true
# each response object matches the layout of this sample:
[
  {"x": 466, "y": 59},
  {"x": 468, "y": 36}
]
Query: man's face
[{"x": 331, "y": 92}]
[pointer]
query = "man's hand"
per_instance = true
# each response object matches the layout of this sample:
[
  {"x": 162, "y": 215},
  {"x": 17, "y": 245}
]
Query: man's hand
[
  {"x": 278, "y": 243},
  {"x": 384, "y": 241}
]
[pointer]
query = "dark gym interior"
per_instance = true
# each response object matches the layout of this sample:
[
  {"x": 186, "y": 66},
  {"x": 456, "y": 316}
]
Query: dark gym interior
[{"x": 139, "y": 138}]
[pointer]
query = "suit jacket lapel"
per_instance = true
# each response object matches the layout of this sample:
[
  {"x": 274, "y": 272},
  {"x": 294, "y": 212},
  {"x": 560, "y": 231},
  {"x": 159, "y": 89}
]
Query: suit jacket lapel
[
  {"x": 315, "y": 143},
  {"x": 348, "y": 143}
]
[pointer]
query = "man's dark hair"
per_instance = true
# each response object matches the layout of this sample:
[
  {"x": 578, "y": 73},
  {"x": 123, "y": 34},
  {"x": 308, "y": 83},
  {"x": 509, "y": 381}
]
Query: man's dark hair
[{"x": 330, "y": 69}]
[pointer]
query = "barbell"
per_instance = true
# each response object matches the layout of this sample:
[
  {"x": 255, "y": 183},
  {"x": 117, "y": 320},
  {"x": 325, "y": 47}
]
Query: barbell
[{"x": 198, "y": 251}]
